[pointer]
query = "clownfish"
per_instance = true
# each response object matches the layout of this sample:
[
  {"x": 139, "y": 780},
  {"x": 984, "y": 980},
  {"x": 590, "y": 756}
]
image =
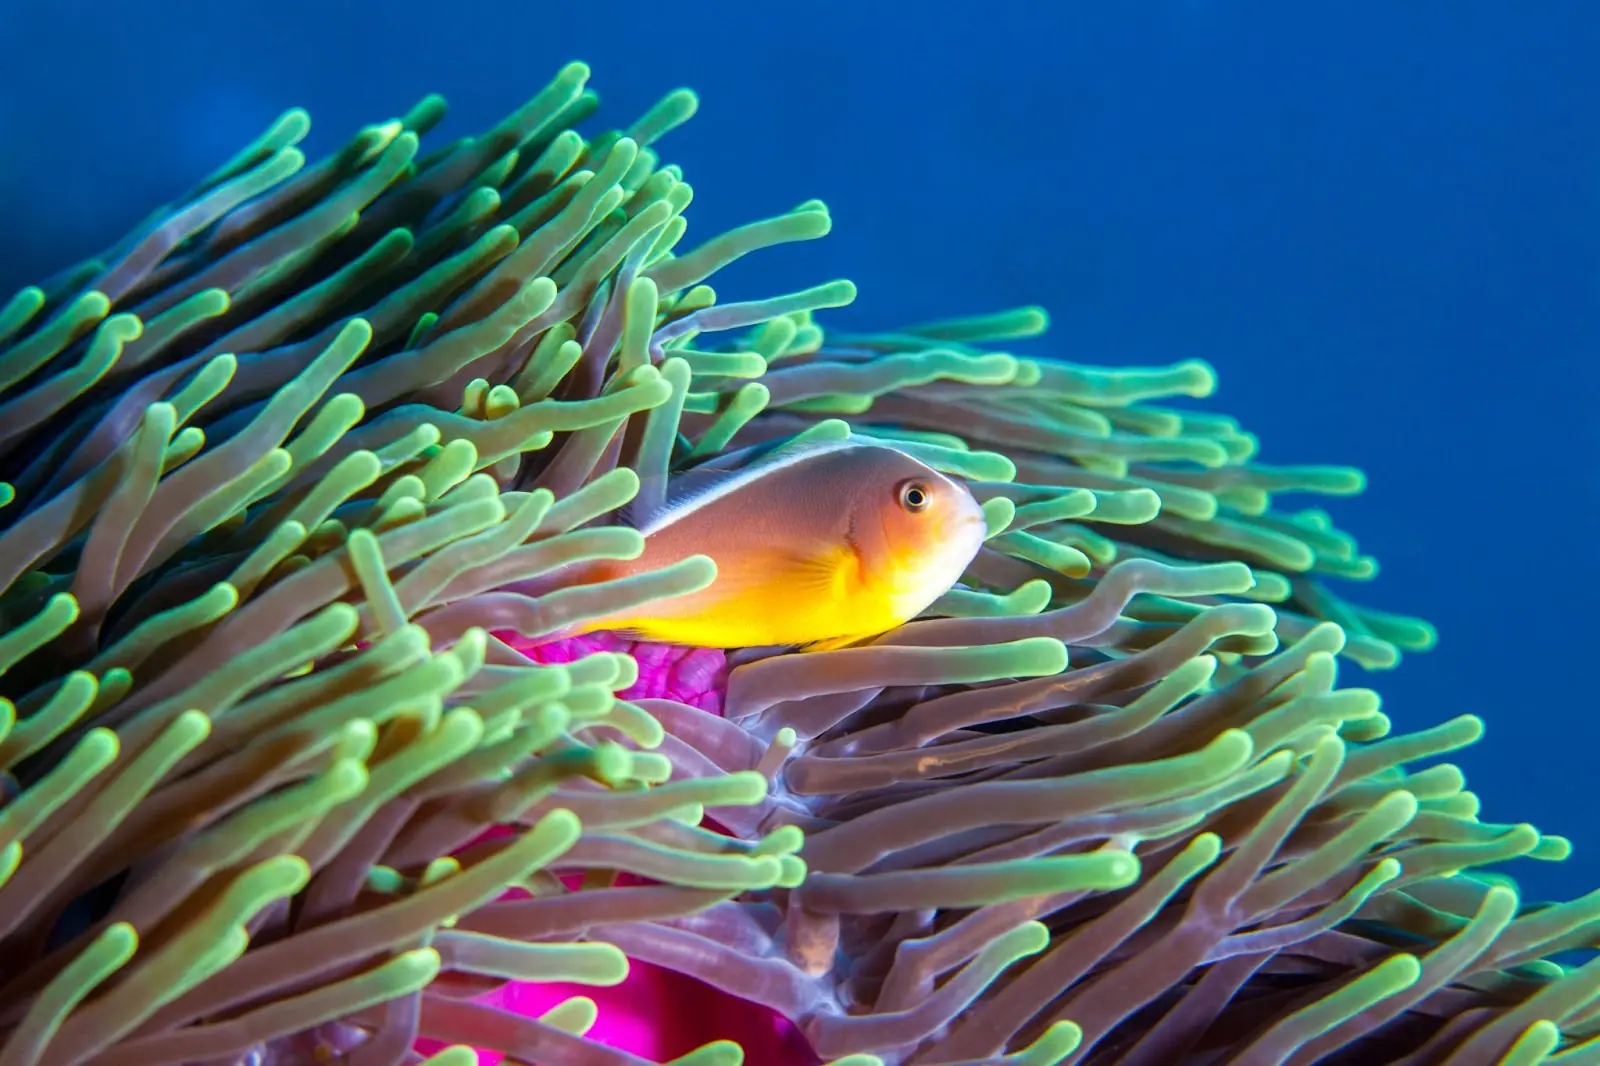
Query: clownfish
[{"x": 819, "y": 545}]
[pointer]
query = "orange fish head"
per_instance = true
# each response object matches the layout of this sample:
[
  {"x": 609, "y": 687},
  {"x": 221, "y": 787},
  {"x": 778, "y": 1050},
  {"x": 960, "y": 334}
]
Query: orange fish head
[{"x": 932, "y": 528}]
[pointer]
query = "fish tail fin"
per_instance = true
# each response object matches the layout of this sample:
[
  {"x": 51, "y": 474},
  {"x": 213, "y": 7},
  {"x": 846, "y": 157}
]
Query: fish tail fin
[
  {"x": 570, "y": 576},
  {"x": 573, "y": 577}
]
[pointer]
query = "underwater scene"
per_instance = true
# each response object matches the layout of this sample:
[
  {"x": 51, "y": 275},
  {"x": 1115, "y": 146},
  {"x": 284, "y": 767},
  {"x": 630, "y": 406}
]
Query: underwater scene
[{"x": 867, "y": 534}]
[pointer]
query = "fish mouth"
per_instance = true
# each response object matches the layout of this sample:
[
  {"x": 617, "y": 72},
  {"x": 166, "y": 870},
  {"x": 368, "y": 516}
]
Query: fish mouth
[{"x": 971, "y": 533}]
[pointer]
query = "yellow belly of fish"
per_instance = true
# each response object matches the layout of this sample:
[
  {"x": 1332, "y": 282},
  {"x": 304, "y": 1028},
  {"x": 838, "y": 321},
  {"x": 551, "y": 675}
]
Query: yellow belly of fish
[
  {"x": 771, "y": 620},
  {"x": 820, "y": 600}
]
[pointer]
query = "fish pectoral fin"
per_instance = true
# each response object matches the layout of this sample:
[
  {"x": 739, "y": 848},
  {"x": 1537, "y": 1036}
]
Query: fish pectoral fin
[{"x": 826, "y": 573}]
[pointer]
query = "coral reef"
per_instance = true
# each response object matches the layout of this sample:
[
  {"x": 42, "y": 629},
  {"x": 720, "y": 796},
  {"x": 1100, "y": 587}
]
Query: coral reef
[{"x": 292, "y": 475}]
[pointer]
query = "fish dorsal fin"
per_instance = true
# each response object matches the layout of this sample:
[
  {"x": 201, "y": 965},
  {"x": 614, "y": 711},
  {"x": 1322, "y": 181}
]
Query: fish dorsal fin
[
  {"x": 638, "y": 511},
  {"x": 695, "y": 488}
]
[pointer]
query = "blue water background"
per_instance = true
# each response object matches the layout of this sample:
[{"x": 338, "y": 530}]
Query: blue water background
[{"x": 1380, "y": 222}]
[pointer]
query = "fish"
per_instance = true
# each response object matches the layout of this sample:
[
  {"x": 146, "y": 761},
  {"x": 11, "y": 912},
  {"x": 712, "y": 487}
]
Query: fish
[{"x": 817, "y": 546}]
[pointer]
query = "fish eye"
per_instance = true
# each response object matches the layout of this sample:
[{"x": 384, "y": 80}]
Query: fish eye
[{"x": 914, "y": 496}]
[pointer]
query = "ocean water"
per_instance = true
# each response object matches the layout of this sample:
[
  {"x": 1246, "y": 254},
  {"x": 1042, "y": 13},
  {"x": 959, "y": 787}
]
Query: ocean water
[{"x": 1379, "y": 222}]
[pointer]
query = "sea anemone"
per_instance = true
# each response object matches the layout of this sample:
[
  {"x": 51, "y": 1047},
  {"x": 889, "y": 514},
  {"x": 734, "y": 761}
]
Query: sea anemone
[{"x": 296, "y": 771}]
